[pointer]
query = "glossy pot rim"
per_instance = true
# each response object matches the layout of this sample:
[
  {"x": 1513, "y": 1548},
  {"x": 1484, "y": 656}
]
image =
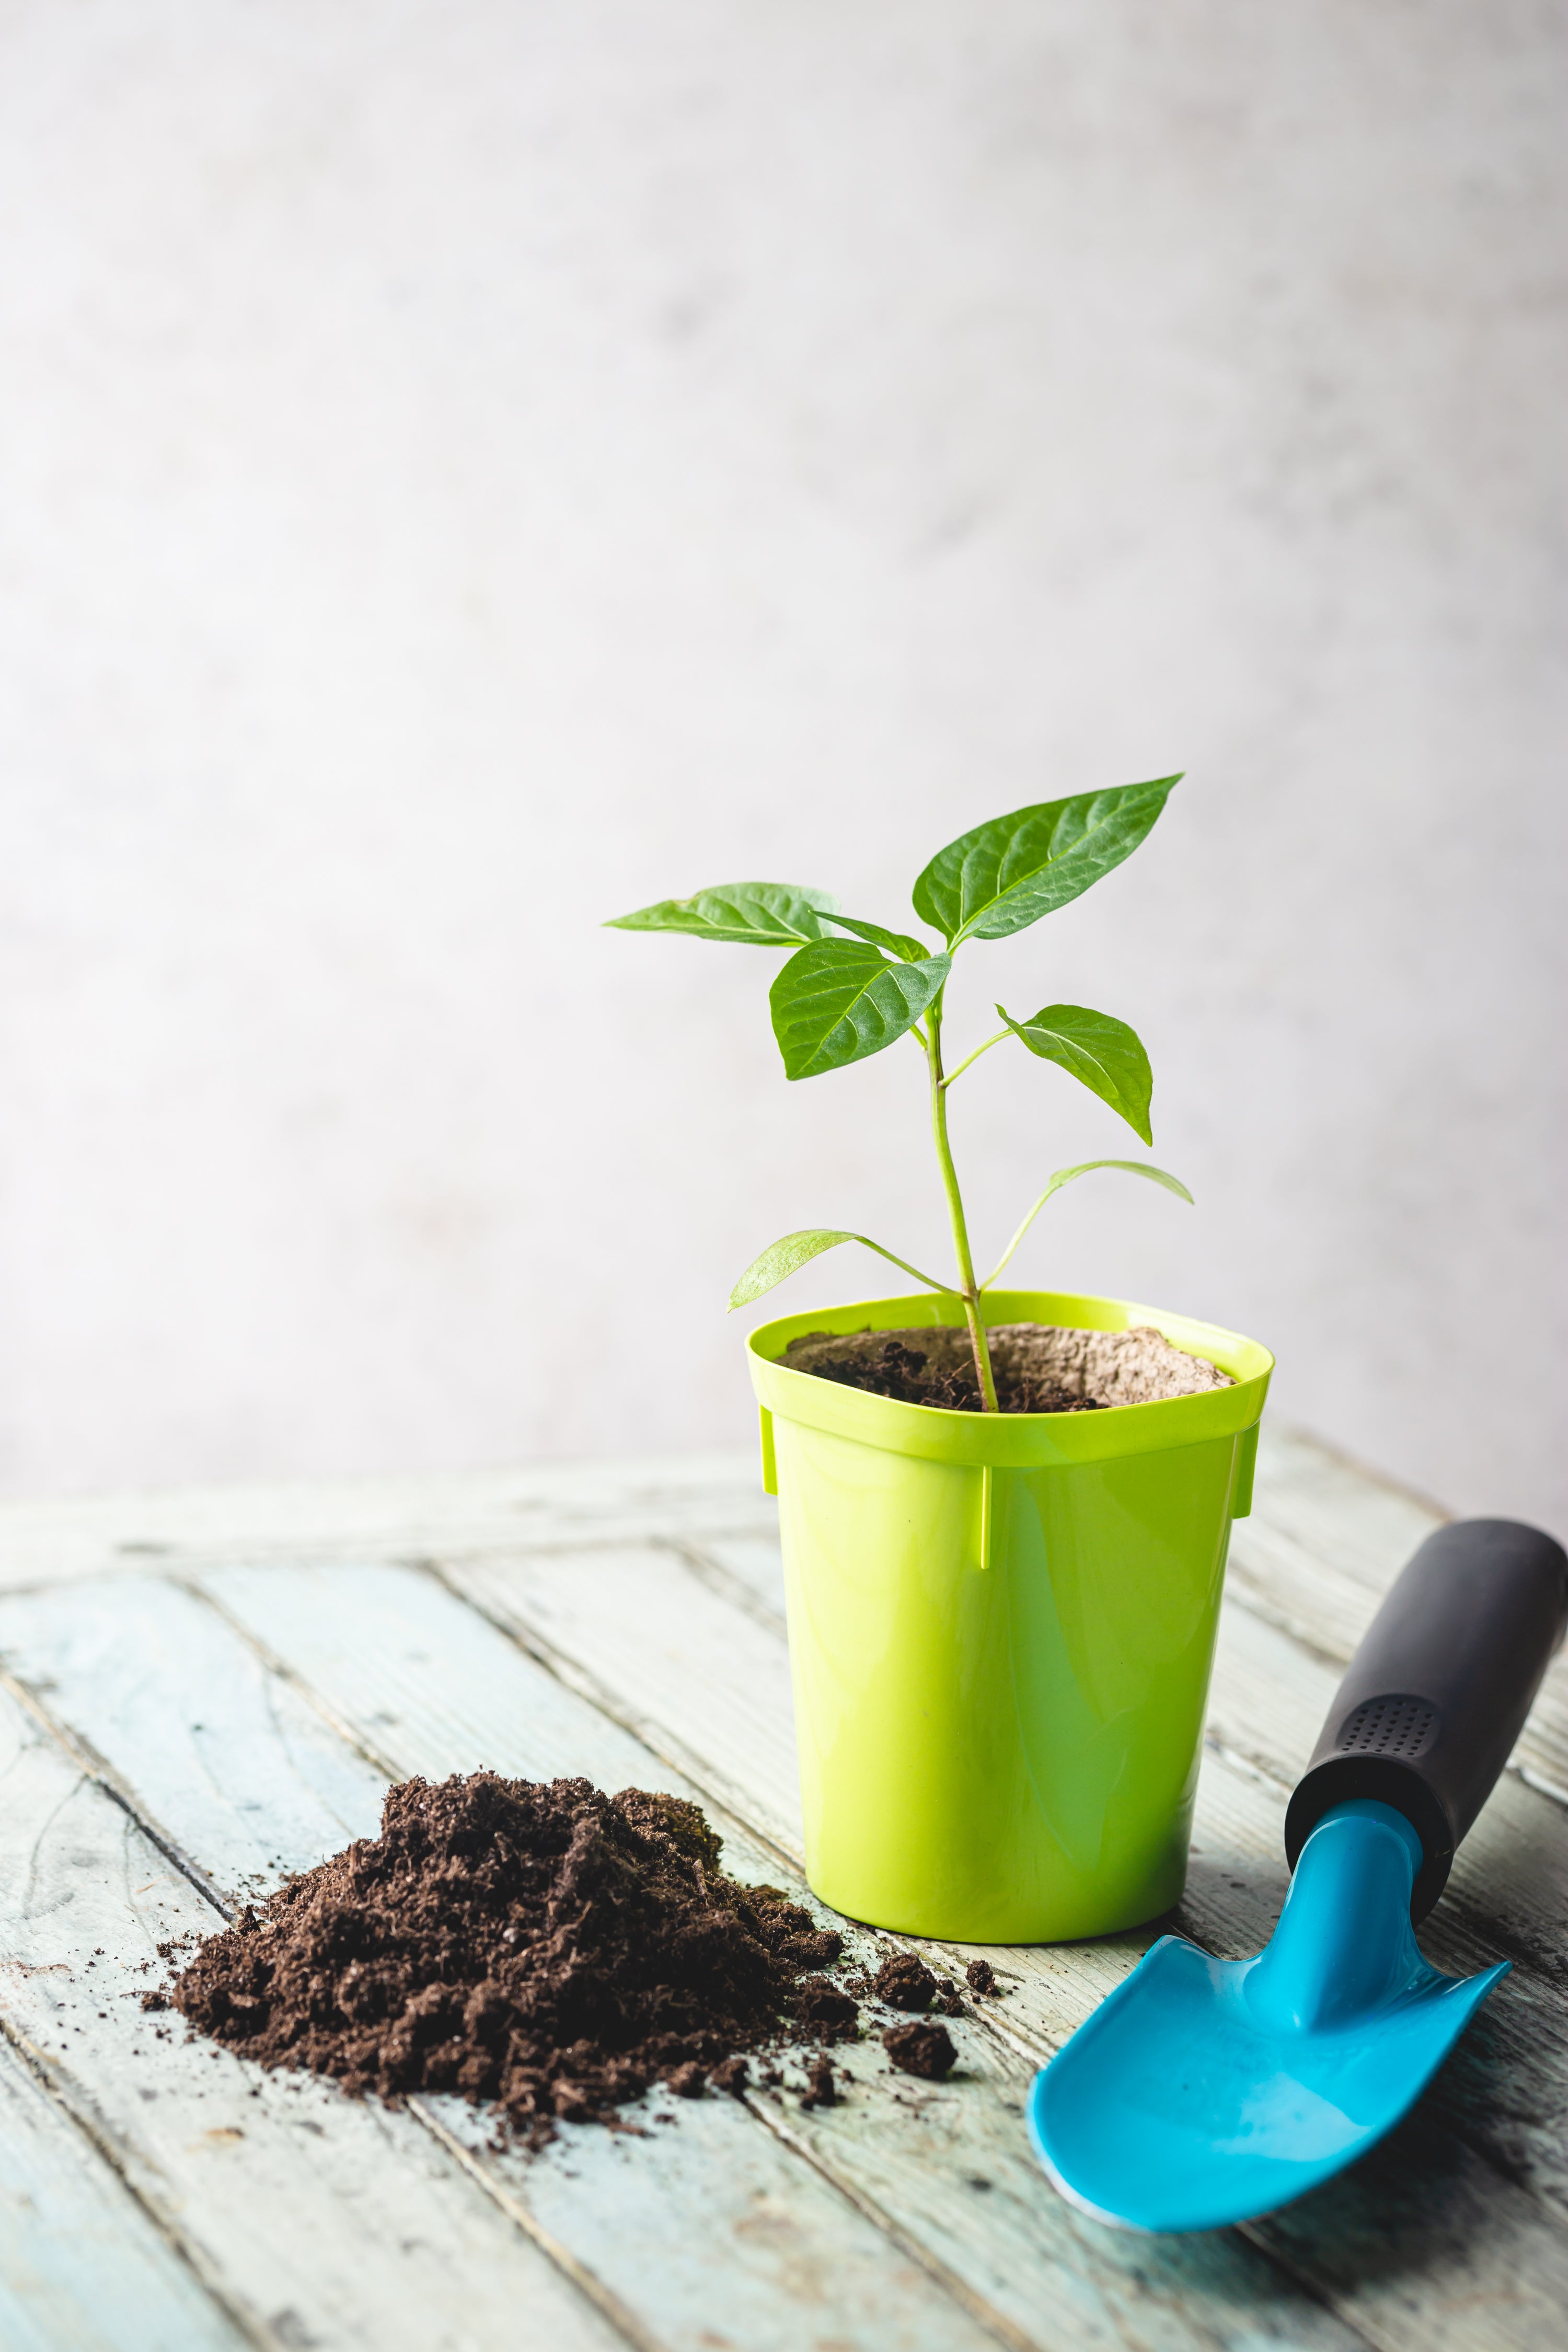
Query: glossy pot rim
[{"x": 932, "y": 1432}]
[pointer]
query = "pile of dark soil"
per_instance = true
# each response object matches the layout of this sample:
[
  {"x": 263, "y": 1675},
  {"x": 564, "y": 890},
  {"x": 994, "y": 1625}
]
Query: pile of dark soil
[
  {"x": 1037, "y": 1367},
  {"x": 537, "y": 1945}
]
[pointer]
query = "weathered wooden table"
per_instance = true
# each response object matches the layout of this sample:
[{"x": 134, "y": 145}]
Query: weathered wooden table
[{"x": 205, "y": 1691}]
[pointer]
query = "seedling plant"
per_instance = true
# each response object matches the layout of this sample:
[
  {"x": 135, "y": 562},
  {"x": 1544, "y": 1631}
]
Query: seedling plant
[{"x": 841, "y": 999}]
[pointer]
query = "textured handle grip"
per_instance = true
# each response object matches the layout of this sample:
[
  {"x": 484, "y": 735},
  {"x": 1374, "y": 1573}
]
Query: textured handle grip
[{"x": 1437, "y": 1693}]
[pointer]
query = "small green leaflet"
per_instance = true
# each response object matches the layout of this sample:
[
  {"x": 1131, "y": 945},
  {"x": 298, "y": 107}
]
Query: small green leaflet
[
  {"x": 1129, "y": 1167},
  {"x": 1102, "y": 1053},
  {"x": 1006, "y": 875},
  {"x": 1086, "y": 1167},
  {"x": 839, "y": 1000},
  {"x": 783, "y": 1258},
  {"x": 746, "y": 914},
  {"x": 898, "y": 943}
]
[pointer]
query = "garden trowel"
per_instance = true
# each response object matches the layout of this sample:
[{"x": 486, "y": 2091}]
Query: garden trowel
[{"x": 1204, "y": 2092}]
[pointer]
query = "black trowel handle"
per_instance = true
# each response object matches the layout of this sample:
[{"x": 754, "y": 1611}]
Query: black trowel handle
[{"x": 1437, "y": 1693}]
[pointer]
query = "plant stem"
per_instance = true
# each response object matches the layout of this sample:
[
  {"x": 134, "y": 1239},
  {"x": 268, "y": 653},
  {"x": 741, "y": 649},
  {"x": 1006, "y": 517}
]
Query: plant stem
[
  {"x": 969, "y": 1291},
  {"x": 954, "y": 1076}
]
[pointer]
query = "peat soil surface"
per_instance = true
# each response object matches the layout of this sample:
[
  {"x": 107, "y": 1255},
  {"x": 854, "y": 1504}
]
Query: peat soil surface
[{"x": 1037, "y": 1367}]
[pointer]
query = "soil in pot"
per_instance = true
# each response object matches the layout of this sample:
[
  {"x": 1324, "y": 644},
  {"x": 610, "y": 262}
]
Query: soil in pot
[
  {"x": 1037, "y": 1367},
  {"x": 537, "y": 1946}
]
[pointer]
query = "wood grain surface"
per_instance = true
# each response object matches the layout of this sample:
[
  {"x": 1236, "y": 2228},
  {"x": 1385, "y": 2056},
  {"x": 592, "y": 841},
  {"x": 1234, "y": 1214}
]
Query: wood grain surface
[{"x": 205, "y": 1691}]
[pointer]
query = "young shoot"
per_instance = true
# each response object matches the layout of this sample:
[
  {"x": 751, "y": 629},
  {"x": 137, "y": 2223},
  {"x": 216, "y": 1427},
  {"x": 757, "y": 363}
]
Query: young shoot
[{"x": 840, "y": 998}]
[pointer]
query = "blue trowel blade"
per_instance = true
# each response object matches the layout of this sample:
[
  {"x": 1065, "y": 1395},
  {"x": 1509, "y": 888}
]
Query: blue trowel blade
[{"x": 1205, "y": 2092}]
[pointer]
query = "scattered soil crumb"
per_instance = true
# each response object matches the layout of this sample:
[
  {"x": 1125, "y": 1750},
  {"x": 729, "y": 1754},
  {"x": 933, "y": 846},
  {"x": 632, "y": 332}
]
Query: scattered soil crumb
[
  {"x": 949, "y": 2001},
  {"x": 825, "y": 2009},
  {"x": 1038, "y": 1367},
  {"x": 904, "y": 1981},
  {"x": 980, "y": 1977},
  {"x": 821, "y": 2091},
  {"x": 731, "y": 2074},
  {"x": 538, "y": 1945},
  {"x": 921, "y": 2048}
]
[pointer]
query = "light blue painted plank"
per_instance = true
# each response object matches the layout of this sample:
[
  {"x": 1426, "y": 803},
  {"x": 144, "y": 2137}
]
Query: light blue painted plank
[
  {"x": 390, "y": 1650},
  {"x": 324, "y": 2221},
  {"x": 248, "y": 1764},
  {"x": 423, "y": 1679},
  {"x": 755, "y": 1562},
  {"x": 446, "y": 1692},
  {"x": 714, "y": 2224},
  {"x": 728, "y": 2219},
  {"x": 82, "y": 2267},
  {"x": 664, "y": 1649}
]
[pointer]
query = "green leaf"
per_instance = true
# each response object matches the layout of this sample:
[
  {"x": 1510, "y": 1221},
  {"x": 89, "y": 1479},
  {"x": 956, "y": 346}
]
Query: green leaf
[
  {"x": 784, "y": 1257},
  {"x": 1102, "y": 1053},
  {"x": 1129, "y": 1167},
  {"x": 838, "y": 1001},
  {"x": 1064, "y": 1176},
  {"x": 898, "y": 943},
  {"x": 746, "y": 914},
  {"x": 1006, "y": 875}
]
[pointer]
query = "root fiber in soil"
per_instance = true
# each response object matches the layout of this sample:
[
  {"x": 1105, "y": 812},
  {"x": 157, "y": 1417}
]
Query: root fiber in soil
[{"x": 540, "y": 1947}]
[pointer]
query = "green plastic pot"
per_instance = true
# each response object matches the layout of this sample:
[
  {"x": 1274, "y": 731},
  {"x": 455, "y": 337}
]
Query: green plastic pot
[{"x": 1001, "y": 1629}]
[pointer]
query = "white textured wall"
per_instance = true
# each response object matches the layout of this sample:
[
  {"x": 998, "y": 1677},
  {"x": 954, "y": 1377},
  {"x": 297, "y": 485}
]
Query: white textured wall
[{"x": 470, "y": 468}]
